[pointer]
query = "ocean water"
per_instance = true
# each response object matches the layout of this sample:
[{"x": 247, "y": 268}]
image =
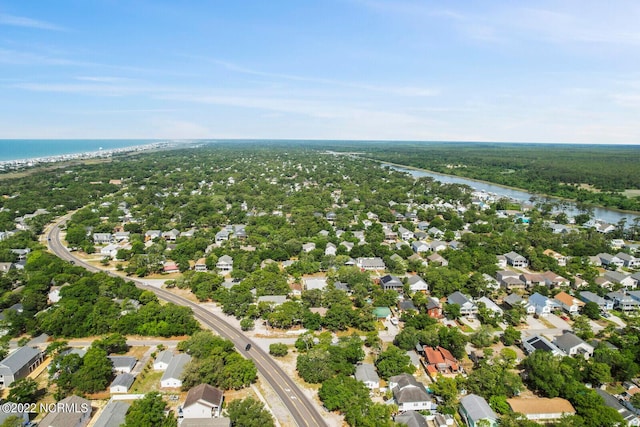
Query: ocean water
[{"x": 18, "y": 149}]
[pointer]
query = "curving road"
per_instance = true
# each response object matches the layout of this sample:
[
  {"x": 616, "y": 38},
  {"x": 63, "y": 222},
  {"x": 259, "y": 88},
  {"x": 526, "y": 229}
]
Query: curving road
[{"x": 301, "y": 408}]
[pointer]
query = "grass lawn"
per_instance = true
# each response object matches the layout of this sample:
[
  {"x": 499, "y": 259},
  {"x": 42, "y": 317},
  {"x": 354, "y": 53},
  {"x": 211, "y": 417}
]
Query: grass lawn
[{"x": 146, "y": 382}]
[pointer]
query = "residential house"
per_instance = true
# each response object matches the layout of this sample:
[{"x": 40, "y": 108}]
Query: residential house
[
  {"x": 409, "y": 394},
  {"x": 635, "y": 295},
  {"x": 113, "y": 414},
  {"x": 437, "y": 258},
  {"x": 623, "y": 301},
  {"x": 347, "y": 245},
  {"x": 488, "y": 303},
  {"x": 516, "y": 260},
  {"x": 467, "y": 306},
  {"x": 437, "y": 246},
  {"x": 121, "y": 236},
  {"x": 77, "y": 413},
  {"x": 171, "y": 235},
  {"x": 102, "y": 238},
  {"x": 150, "y": 235},
  {"x": 121, "y": 383},
  {"x": 501, "y": 261},
  {"x": 553, "y": 280},
  {"x": 311, "y": 283},
  {"x": 222, "y": 236},
  {"x": 405, "y": 234},
  {"x": 513, "y": 300},
  {"x": 542, "y": 304},
  {"x": 308, "y": 247},
  {"x": 162, "y": 360},
  {"x": 19, "y": 364},
  {"x": 435, "y": 232},
  {"x": 273, "y": 300},
  {"x": 420, "y": 246},
  {"x": 371, "y": 264},
  {"x": 572, "y": 345},
  {"x": 538, "y": 342},
  {"x": 5, "y": 267},
  {"x": 411, "y": 419},
  {"x": 611, "y": 401},
  {"x": 203, "y": 401},
  {"x": 604, "y": 304},
  {"x": 110, "y": 250},
  {"x": 541, "y": 409},
  {"x": 474, "y": 409},
  {"x": 620, "y": 278},
  {"x": 123, "y": 364},
  {"x": 330, "y": 249},
  {"x": 170, "y": 267},
  {"x": 417, "y": 284},
  {"x": 172, "y": 376},
  {"x": 200, "y": 265},
  {"x": 382, "y": 313},
  {"x": 561, "y": 259},
  {"x": 568, "y": 303},
  {"x": 434, "y": 308},
  {"x": 225, "y": 264},
  {"x": 629, "y": 261},
  {"x": 532, "y": 279},
  {"x": 390, "y": 282},
  {"x": 610, "y": 261},
  {"x": 366, "y": 373},
  {"x": 423, "y": 225},
  {"x": 440, "y": 361},
  {"x": 406, "y": 305}
]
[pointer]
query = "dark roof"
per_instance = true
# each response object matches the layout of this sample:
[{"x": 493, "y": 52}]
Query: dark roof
[
  {"x": 205, "y": 394},
  {"x": 113, "y": 414},
  {"x": 412, "y": 419}
]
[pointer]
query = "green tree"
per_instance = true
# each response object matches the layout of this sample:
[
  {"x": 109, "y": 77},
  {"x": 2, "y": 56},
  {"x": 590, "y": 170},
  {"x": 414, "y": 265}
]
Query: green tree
[
  {"x": 24, "y": 390},
  {"x": 149, "y": 412},
  {"x": 13, "y": 421},
  {"x": 278, "y": 349},
  {"x": 95, "y": 373},
  {"x": 249, "y": 412},
  {"x": 511, "y": 335},
  {"x": 393, "y": 361},
  {"x": 591, "y": 310}
]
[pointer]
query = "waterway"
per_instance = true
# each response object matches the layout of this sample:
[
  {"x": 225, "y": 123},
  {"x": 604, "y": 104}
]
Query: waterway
[{"x": 608, "y": 215}]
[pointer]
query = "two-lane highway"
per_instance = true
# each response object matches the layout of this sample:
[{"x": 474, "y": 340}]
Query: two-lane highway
[{"x": 301, "y": 408}]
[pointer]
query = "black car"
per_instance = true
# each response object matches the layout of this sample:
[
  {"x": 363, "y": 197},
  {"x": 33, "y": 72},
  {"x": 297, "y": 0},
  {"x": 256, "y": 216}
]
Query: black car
[{"x": 248, "y": 347}]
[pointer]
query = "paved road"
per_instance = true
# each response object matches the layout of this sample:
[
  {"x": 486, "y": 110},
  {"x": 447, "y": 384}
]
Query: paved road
[{"x": 301, "y": 408}]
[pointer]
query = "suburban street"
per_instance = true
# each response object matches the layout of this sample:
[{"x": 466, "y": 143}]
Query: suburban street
[{"x": 301, "y": 408}]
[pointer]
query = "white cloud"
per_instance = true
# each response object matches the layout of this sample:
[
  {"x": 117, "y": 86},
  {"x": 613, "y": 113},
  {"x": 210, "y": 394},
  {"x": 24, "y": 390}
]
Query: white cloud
[{"x": 21, "y": 21}]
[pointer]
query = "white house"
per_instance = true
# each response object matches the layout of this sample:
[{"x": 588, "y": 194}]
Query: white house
[
  {"x": 161, "y": 363},
  {"x": 417, "y": 284},
  {"x": 202, "y": 401},
  {"x": 573, "y": 345},
  {"x": 225, "y": 263},
  {"x": 467, "y": 306},
  {"x": 366, "y": 373},
  {"x": 516, "y": 260},
  {"x": 172, "y": 377},
  {"x": 542, "y": 304},
  {"x": 121, "y": 383},
  {"x": 419, "y": 246},
  {"x": 409, "y": 394}
]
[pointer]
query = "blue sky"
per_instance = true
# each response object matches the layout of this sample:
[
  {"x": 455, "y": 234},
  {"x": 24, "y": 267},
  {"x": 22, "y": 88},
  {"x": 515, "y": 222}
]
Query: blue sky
[{"x": 543, "y": 71}]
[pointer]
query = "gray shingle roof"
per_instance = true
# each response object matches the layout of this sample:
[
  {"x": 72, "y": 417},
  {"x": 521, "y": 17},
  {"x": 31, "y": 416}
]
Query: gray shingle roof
[
  {"x": 113, "y": 414},
  {"x": 18, "y": 358},
  {"x": 124, "y": 379},
  {"x": 477, "y": 408},
  {"x": 175, "y": 368}
]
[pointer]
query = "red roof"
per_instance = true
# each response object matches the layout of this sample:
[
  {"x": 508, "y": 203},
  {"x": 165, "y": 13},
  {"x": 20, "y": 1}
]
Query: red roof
[{"x": 433, "y": 356}]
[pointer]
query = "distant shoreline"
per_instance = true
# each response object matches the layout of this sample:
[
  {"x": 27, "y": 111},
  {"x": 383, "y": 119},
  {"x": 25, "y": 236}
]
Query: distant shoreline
[{"x": 21, "y": 164}]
